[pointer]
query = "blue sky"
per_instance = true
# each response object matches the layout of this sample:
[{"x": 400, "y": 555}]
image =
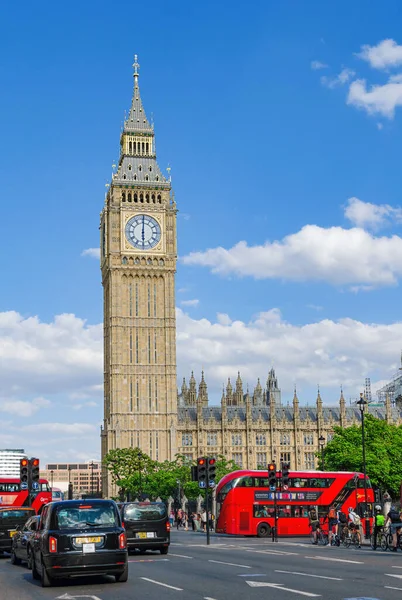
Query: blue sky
[{"x": 276, "y": 137}]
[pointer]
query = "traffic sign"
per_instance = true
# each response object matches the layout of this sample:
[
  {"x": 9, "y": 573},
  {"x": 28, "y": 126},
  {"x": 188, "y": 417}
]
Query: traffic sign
[
  {"x": 212, "y": 484},
  {"x": 272, "y": 488},
  {"x": 286, "y": 487},
  {"x": 35, "y": 486},
  {"x": 24, "y": 485},
  {"x": 202, "y": 484}
]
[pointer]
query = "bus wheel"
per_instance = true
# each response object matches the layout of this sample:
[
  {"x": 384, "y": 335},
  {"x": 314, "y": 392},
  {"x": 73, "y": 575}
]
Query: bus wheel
[{"x": 263, "y": 530}]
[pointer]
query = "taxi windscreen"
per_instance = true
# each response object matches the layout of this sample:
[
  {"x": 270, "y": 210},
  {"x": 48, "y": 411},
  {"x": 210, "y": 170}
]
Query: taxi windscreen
[
  {"x": 145, "y": 512},
  {"x": 86, "y": 516},
  {"x": 20, "y": 514}
]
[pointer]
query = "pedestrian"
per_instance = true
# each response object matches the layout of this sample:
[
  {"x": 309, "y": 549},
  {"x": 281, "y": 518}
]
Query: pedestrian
[
  {"x": 185, "y": 521},
  {"x": 204, "y": 520},
  {"x": 394, "y": 520},
  {"x": 171, "y": 518}
]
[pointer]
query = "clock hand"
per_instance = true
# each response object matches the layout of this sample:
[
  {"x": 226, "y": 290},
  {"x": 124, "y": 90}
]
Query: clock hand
[{"x": 143, "y": 231}]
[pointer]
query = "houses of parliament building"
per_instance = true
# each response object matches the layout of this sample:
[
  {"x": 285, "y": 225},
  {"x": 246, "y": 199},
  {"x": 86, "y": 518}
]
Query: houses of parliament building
[{"x": 142, "y": 406}]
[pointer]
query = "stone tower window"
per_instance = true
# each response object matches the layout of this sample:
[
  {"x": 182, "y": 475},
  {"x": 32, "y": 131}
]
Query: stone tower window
[
  {"x": 135, "y": 176},
  {"x": 153, "y": 198},
  {"x": 147, "y": 147},
  {"x": 141, "y": 197},
  {"x": 157, "y": 178},
  {"x": 161, "y": 262},
  {"x": 124, "y": 176},
  {"x": 146, "y": 177},
  {"x": 123, "y": 197},
  {"x": 149, "y": 261},
  {"x": 129, "y": 166},
  {"x": 137, "y": 260},
  {"x": 124, "y": 260},
  {"x": 159, "y": 199},
  {"x": 136, "y": 197},
  {"x": 129, "y": 197},
  {"x": 140, "y": 168},
  {"x": 150, "y": 168},
  {"x": 147, "y": 198}
]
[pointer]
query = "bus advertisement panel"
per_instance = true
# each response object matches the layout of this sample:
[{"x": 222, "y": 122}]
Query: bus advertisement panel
[
  {"x": 245, "y": 503},
  {"x": 11, "y": 494}
]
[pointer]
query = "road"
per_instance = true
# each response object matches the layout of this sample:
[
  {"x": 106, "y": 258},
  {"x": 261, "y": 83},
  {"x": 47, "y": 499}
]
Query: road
[{"x": 230, "y": 569}]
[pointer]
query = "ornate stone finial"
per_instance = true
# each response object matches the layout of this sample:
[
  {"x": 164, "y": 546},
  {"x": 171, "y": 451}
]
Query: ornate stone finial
[{"x": 136, "y": 66}]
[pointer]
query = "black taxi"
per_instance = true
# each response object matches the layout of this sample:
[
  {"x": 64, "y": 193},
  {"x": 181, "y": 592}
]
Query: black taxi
[
  {"x": 147, "y": 526},
  {"x": 12, "y": 518},
  {"x": 78, "y": 538}
]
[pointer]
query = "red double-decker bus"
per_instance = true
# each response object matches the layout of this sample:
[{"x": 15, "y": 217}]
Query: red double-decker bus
[
  {"x": 245, "y": 503},
  {"x": 12, "y": 495}
]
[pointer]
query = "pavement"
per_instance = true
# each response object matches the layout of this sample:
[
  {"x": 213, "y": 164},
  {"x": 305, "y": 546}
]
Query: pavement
[{"x": 231, "y": 568}]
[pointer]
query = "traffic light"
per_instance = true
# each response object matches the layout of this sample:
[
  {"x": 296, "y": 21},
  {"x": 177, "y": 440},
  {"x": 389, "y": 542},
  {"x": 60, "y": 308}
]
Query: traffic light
[
  {"x": 202, "y": 472},
  {"x": 211, "y": 472},
  {"x": 70, "y": 491},
  {"x": 24, "y": 473},
  {"x": 272, "y": 475},
  {"x": 194, "y": 473},
  {"x": 285, "y": 473},
  {"x": 34, "y": 475}
]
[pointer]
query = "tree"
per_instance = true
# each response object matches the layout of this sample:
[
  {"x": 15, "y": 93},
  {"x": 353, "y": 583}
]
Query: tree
[
  {"x": 383, "y": 442},
  {"x": 136, "y": 473}
]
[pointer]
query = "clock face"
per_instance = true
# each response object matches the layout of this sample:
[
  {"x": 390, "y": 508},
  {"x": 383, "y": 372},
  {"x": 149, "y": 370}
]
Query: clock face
[{"x": 143, "y": 232}]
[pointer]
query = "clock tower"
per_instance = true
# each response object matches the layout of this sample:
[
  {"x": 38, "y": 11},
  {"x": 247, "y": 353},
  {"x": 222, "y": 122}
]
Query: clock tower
[{"x": 138, "y": 263}]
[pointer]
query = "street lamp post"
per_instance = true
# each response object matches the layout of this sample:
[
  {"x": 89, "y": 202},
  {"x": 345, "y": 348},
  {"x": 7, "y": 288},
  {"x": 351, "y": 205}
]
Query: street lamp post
[
  {"x": 92, "y": 477},
  {"x": 51, "y": 478},
  {"x": 321, "y": 441},
  {"x": 140, "y": 472},
  {"x": 362, "y": 403}
]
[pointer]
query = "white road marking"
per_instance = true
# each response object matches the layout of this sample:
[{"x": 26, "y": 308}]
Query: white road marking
[
  {"x": 164, "y": 584},
  {"x": 279, "y": 586},
  {"x": 395, "y": 567},
  {"x": 142, "y": 560},
  {"x": 392, "y": 575},
  {"x": 207, "y": 598},
  {"x": 219, "y": 562},
  {"x": 68, "y": 597},
  {"x": 388, "y": 587},
  {"x": 180, "y": 555},
  {"x": 309, "y": 575},
  {"x": 252, "y": 575},
  {"x": 278, "y": 552},
  {"x": 355, "y": 562}
]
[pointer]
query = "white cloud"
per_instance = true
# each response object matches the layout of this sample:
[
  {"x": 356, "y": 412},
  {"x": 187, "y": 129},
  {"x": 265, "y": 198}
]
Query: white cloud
[
  {"x": 316, "y": 65},
  {"x": 39, "y": 358},
  {"x": 343, "y": 77},
  {"x": 386, "y": 53},
  {"x": 23, "y": 408},
  {"x": 380, "y": 126},
  {"x": 366, "y": 214},
  {"x": 327, "y": 352},
  {"x": 312, "y": 254},
  {"x": 92, "y": 252},
  {"x": 379, "y": 99},
  {"x": 194, "y": 302}
]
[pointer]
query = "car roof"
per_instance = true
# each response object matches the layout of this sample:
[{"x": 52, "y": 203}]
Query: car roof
[
  {"x": 87, "y": 501},
  {"x": 12, "y": 507}
]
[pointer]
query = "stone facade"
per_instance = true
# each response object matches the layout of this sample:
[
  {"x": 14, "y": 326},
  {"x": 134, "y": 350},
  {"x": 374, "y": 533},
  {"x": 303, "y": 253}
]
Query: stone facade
[{"x": 141, "y": 405}]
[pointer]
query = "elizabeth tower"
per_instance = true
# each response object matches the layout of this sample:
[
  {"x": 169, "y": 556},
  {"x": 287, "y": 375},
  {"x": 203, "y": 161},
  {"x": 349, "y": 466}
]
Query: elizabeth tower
[{"x": 138, "y": 263}]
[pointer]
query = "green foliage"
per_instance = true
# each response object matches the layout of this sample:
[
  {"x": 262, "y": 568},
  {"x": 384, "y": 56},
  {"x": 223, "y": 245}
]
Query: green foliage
[
  {"x": 383, "y": 442},
  {"x": 137, "y": 474}
]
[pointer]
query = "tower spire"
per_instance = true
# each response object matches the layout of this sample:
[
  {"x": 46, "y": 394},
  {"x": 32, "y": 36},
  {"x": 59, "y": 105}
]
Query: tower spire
[{"x": 136, "y": 74}]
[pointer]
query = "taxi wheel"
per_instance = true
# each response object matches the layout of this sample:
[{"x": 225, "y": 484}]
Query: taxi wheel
[
  {"x": 29, "y": 559},
  {"x": 164, "y": 550},
  {"x": 35, "y": 573},
  {"x": 122, "y": 578},
  {"x": 14, "y": 559},
  {"x": 45, "y": 580}
]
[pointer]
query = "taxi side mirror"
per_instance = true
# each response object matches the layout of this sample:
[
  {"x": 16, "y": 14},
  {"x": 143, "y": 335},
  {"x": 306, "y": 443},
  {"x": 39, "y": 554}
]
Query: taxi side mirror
[{"x": 34, "y": 525}]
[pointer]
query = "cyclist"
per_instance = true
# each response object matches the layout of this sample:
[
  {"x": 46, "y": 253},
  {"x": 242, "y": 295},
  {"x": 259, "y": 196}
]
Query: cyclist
[
  {"x": 379, "y": 521},
  {"x": 354, "y": 524},
  {"x": 314, "y": 523},
  {"x": 332, "y": 523},
  {"x": 394, "y": 519}
]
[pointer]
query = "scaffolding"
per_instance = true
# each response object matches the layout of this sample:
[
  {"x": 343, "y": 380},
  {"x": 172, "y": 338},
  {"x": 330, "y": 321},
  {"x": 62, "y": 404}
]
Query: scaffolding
[{"x": 393, "y": 389}]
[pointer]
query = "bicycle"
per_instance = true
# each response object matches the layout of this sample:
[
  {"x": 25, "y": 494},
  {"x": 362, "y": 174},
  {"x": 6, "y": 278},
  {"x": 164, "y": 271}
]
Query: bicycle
[
  {"x": 321, "y": 538},
  {"x": 352, "y": 538},
  {"x": 389, "y": 540},
  {"x": 382, "y": 540}
]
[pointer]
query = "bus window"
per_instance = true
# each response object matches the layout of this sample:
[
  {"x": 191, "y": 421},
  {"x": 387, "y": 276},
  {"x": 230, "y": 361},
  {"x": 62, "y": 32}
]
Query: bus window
[
  {"x": 261, "y": 482},
  {"x": 245, "y": 482}
]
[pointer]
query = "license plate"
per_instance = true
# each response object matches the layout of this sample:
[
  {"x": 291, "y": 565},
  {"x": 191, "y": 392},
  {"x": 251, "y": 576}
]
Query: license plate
[
  {"x": 12, "y": 533},
  {"x": 142, "y": 535},
  {"x": 150, "y": 534},
  {"x": 88, "y": 548},
  {"x": 87, "y": 540}
]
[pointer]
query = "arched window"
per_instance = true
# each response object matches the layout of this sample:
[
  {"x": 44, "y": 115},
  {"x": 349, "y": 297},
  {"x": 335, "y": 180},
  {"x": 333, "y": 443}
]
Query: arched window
[
  {"x": 143, "y": 147},
  {"x": 129, "y": 167},
  {"x": 159, "y": 199},
  {"x": 150, "y": 167},
  {"x": 135, "y": 176},
  {"x": 141, "y": 197},
  {"x": 147, "y": 198},
  {"x": 137, "y": 260},
  {"x": 149, "y": 261},
  {"x": 153, "y": 198},
  {"x": 140, "y": 168},
  {"x": 124, "y": 176},
  {"x": 124, "y": 260},
  {"x": 123, "y": 197},
  {"x": 130, "y": 147},
  {"x": 135, "y": 147},
  {"x": 147, "y": 147},
  {"x": 136, "y": 197},
  {"x": 146, "y": 177},
  {"x": 157, "y": 178},
  {"x": 129, "y": 197}
]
